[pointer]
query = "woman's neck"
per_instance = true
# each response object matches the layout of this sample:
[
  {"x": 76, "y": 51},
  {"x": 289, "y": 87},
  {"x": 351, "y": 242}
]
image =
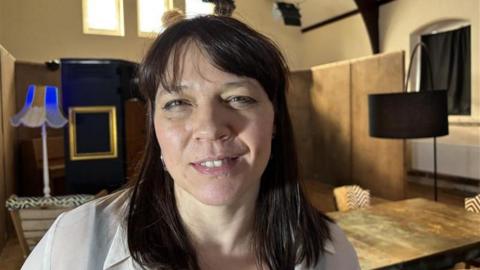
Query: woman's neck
[{"x": 225, "y": 229}]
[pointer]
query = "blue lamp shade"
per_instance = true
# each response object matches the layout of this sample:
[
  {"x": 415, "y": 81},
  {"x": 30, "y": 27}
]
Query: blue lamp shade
[
  {"x": 41, "y": 107},
  {"x": 408, "y": 114}
]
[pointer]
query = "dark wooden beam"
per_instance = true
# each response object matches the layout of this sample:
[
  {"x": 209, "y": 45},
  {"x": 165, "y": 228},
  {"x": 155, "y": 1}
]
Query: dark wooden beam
[
  {"x": 331, "y": 20},
  {"x": 383, "y": 2},
  {"x": 369, "y": 11}
]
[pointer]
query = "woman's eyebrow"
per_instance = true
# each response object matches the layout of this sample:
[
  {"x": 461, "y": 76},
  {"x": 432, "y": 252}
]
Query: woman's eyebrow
[
  {"x": 179, "y": 89},
  {"x": 175, "y": 90},
  {"x": 242, "y": 83}
]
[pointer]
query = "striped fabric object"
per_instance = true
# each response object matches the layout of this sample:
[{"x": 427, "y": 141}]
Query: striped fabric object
[
  {"x": 69, "y": 201},
  {"x": 473, "y": 204},
  {"x": 351, "y": 197},
  {"x": 358, "y": 197}
]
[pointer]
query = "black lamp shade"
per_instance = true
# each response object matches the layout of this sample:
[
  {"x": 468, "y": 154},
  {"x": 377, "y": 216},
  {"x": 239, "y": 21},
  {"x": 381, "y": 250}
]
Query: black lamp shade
[{"x": 409, "y": 114}]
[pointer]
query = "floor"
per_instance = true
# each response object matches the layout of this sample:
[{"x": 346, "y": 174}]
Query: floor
[
  {"x": 11, "y": 257},
  {"x": 320, "y": 194}
]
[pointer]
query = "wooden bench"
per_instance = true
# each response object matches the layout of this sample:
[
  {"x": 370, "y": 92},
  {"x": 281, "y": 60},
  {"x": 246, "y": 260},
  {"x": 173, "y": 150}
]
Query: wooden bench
[{"x": 33, "y": 216}]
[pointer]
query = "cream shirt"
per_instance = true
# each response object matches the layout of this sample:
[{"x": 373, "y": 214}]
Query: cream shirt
[{"x": 91, "y": 237}]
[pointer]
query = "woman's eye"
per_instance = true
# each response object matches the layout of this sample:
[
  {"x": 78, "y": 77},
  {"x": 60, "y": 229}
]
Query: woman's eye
[
  {"x": 173, "y": 104},
  {"x": 240, "y": 100}
]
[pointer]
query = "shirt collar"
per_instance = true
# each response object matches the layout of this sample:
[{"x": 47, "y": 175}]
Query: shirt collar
[
  {"x": 118, "y": 251},
  {"x": 328, "y": 247}
]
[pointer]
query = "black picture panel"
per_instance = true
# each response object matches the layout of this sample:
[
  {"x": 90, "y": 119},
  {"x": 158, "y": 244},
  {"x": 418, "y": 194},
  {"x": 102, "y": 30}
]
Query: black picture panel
[{"x": 92, "y": 132}]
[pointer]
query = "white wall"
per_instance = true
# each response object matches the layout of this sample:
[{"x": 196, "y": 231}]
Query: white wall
[
  {"x": 258, "y": 14},
  {"x": 49, "y": 29},
  {"x": 41, "y": 30},
  {"x": 342, "y": 40}
]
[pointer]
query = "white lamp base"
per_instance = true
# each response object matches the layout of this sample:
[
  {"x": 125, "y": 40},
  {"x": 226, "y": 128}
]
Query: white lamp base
[{"x": 46, "y": 180}]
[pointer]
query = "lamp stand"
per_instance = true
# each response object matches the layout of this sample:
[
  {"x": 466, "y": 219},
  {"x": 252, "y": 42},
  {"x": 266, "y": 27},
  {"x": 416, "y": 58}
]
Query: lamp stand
[
  {"x": 46, "y": 181},
  {"x": 435, "y": 168}
]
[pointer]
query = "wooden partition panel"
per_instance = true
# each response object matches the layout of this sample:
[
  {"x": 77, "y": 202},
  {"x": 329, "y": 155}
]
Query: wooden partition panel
[
  {"x": 8, "y": 140},
  {"x": 333, "y": 140},
  {"x": 378, "y": 164},
  {"x": 330, "y": 128},
  {"x": 298, "y": 99}
]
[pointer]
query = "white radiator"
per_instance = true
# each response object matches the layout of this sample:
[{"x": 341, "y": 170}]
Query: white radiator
[{"x": 457, "y": 154}]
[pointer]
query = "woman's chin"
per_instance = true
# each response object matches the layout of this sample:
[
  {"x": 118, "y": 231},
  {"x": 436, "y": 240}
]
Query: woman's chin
[{"x": 218, "y": 196}]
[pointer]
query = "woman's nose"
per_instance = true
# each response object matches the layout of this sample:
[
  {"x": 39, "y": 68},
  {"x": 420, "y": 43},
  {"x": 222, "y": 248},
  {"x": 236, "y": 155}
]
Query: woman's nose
[{"x": 212, "y": 123}]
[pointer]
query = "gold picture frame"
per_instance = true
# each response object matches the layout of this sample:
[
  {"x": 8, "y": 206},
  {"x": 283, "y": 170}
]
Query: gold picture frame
[{"x": 112, "y": 123}]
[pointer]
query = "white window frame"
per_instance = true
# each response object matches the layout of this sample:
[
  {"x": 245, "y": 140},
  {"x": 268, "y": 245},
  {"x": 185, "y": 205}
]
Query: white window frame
[
  {"x": 193, "y": 13},
  {"x": 167, "y": 4},
  {"x": 438, "y": 27},
  {"x": 87, "y": 29}
]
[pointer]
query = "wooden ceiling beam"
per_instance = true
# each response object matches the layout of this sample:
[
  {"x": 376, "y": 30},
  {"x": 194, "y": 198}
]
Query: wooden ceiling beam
[{"x": 369, "y": 11}]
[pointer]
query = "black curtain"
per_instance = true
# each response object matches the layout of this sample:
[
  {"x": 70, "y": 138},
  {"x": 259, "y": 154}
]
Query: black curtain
[{"x": 450, "y": 55}]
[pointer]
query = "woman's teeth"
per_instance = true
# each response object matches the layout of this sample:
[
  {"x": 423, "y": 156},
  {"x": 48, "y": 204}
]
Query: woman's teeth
[{"x": 213, "y": 163}]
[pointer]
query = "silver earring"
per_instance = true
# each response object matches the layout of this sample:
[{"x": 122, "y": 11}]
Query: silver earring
[{"x": 163, "y": 162}]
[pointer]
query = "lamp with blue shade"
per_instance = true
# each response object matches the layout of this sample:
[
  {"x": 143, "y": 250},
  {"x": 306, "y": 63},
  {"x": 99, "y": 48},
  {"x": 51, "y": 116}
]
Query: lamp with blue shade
[{"x": 41, "y": 109}]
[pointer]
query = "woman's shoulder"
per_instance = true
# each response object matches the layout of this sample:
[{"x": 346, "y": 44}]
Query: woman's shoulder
[
  {"x": 338, "y": 252},
  {"x": 109, "y": 207},
  {"x": 81, "y": 238}
]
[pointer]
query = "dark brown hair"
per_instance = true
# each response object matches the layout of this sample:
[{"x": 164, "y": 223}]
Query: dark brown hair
[{"x": 287, "y": 229}]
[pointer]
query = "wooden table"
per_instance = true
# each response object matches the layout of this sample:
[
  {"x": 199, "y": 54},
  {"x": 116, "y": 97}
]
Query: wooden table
[{"x": 411, "y": 234}]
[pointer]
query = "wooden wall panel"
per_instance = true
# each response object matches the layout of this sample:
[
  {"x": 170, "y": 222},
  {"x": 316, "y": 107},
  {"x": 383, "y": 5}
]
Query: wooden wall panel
[
  {"x": 298, "y": 99},
  {"x": 3, "y": 216},
  {"x": 8, "y": 141},
  {"x": 378, "y": 164},
  {"x": 330, "y": 101}
]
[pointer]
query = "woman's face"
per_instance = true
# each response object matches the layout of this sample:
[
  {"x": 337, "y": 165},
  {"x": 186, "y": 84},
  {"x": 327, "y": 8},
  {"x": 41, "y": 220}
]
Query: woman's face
[{"x": 215, "y": 133}]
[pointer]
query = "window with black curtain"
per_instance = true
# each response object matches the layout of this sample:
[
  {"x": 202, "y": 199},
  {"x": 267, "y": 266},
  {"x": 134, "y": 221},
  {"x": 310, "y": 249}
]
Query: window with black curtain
[{"x": 450, "y": 55}]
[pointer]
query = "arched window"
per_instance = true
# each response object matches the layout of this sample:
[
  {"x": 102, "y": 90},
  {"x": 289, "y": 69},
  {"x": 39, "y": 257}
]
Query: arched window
[
  {"x": 103, "y": 17},
  {"x": 198, "y": 7},
  {"x": 449, "y": 50},
  {"x": 149, "y": 13}
]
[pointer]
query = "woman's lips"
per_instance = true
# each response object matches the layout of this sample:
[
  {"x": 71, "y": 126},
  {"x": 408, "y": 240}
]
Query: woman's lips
[{"x": 215, "y": 167}]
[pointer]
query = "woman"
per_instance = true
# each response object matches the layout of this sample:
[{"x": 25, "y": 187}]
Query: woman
[{"x": 218, "y": 187}]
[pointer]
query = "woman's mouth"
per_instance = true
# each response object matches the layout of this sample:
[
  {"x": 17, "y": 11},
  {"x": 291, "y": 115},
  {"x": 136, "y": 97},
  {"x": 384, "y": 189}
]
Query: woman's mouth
[{"x": 215, "y": 166}]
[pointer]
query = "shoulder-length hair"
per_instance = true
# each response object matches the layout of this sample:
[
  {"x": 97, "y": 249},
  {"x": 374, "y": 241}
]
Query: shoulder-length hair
[{"x": 287, "y": 229}]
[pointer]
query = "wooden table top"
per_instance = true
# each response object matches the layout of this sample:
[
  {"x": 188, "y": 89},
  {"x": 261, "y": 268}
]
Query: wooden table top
[{"x": 411, "y": 234}]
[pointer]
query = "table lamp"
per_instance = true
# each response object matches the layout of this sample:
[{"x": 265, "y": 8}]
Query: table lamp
[
  {"x": 41, "y": 109},
  {"x": 407, "y": 115}
]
